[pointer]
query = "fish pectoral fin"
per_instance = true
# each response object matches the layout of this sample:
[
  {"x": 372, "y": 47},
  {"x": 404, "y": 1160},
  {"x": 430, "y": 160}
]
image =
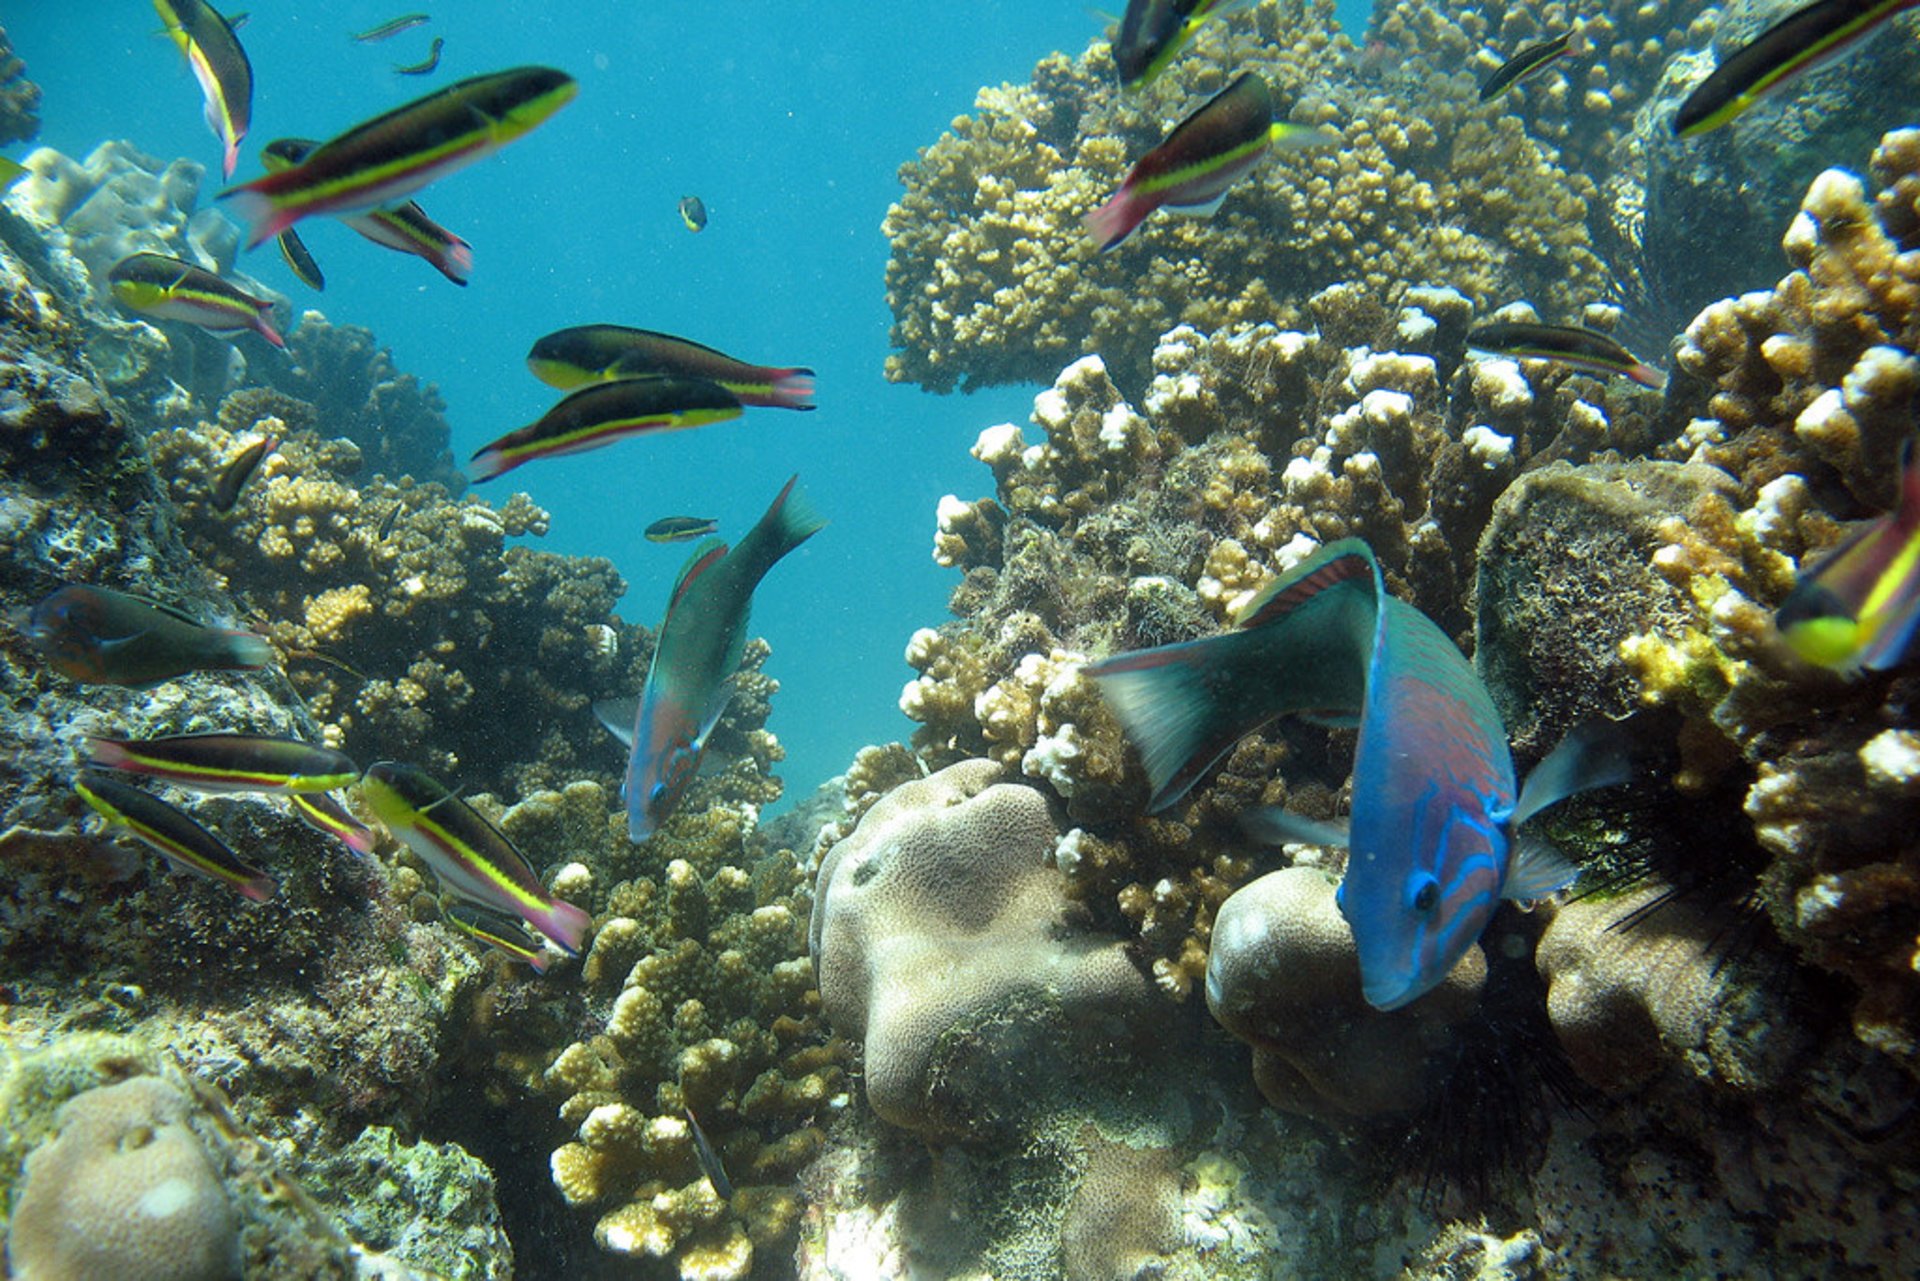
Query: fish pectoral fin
[
  {"x": 1198, "y": 211},
  {"x": 1537, "y": 870},
  {"x": 715, "y": 709},
  {"x": 114, "y": 644},
  {"x": 1271, "y": 825},
  {"x": 1596, "y": 753},
  {"x": 617, "y": 716}
]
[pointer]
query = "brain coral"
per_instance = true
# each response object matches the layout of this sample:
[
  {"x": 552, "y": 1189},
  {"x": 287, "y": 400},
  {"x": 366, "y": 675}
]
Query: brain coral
[
  {"x": 992, "y": 279},
  {"x": 942, "y": 940}
]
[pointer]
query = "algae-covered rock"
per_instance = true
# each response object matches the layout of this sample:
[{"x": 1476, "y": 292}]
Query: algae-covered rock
[{"x": 429, "y": 1205}]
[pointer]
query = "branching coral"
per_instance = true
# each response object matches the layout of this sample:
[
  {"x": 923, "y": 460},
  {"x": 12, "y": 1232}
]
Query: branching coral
[{"x": 19, "y": 96}]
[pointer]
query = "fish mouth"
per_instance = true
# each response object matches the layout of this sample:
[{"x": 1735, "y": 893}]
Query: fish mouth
[{"x": 1391, "y": 994}]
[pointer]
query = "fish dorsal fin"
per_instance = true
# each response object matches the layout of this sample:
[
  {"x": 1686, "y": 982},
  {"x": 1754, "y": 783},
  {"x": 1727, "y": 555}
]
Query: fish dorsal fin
[
  {"x": 617, "y": 716},
  {"x": 708, "y": 554},
  {"x": 1597, "y": 753},
  {"x": 1332, "y": 565},
  {"x": 1537, "y": 869},
  {"x": 1271, "y": 825},
  {"x": 171, "y": 611}
]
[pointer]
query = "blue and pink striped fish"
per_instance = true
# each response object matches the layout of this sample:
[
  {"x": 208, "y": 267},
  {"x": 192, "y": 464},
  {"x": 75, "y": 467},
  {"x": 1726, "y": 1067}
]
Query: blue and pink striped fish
[{"x": 1432, "y": 840}]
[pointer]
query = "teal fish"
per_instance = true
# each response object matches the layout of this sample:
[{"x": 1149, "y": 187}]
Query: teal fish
[
  {"x": 695, "y": 656},
  {"x": 1530, "y": 61},
  {"x": 1209, "y": 151},
  {"x": 1432, "y": 838},
  {"x": 426, "y": 66},
  {"x": 1152, "y": 32},
  {"x": 228, "y": 762},
  {"x": 501, "y": 931},
  {"x": 169, "y": 289},
  {"x": 1811, "y": 35},
  {"x": 467, "y": 855},
  {"x": 104, "y": 637},
  {"x": 221, "y": 67},
  {"x": 324, "y": 814},
  {"x": 693, "y": 212},
  {"x": 238, "y": 471},
  {"x": 1564, "y": 344},
  {"x": 678, "y": 529},
  {"x": 405, "y": 227},
  {"x": 600, "y": 414},
  {"x": 1857, "y": 609},
  {"x": 572, "y": 358},
  {"x": 392, "y": 27},
  {"x": 156, "y": 824},
  {"x": 380, "y": 163}
]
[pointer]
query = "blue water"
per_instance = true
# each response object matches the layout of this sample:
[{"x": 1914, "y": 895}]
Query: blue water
[{"x": 790, "y": 120}]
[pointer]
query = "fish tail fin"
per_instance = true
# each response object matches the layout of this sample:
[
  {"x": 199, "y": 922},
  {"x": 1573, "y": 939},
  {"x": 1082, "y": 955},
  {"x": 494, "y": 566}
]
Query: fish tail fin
[
  {"x": 247, "y": 649},
  {"x": 456, "y": 261},
  {"x": 487, "y": 464},
  {"x": 564, "y": 923},
  {"x": 263, "y": 325},
  {"x": 538, "y": 960},
  {"x": 257, "y": 888},
  {"x": 1114, "y": 221},
  {"x": 793, "y": 388},
  {"x": 107, "y": 753},
  {"x": 792, "y": 519},
  {"x": 262, "y": 216},
  {"x": 1647, "y": 376},
  {"x": 230, "y": 159}
]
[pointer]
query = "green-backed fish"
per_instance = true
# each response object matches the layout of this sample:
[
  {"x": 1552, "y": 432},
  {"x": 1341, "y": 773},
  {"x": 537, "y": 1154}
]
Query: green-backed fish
[
  {"x": 378, "y": 164},
  {"x": 501, "y": 931},
  {"x": 426, "y": 66},
  {"x": 695, "y": 657},
  {"x": 1205, "y": 154},
  {"x": 1530, "y": 61},
  {"x": 1857, "y": 609},
  {"x": 1153, "y": 31},
  {"x": 324, "y": 814},
  {"x": 11, "y": 171},
  {"x": 570, "y": 358},
  {"x": 221, "y": 762},
  {"x": 159, "y": 825},
  {"x": 1805, "y": 38},
  {"x": 390, "y": 28},
  {"x": 468, "y": 855},
  {"x": 221, "y": 67},
  {"x": 602, "y": 413},
  {"x": 1583, "y": 349},
  {"x": 693, "y": 212},
  {"x": 169, "y": 289},
  {"x": 405, "y": 227},
  {"x": 104, "y": 637},
  {"x": 239, "y": 470},
  {"x": 678, "y": 529}
]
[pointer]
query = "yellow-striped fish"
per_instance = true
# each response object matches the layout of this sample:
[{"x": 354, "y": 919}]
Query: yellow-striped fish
[
  {"x": 160, "y": 826},
  {"x": 221, "y": 67},
  {"x": 228, "y": 762},
  {"x": 1857, "y": 609}
]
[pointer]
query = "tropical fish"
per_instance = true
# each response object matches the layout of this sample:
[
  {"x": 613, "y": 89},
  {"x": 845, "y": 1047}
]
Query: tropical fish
[
  {"x": 499, "y": 930},
  {"x": 299, "y": 260},
  {"x": 678, "y": 529},
  {"x": 1857, "y": 609},
  {"x": 388, "y": 521},
  {"x": 1583, "y": 349},
  {"x": 1530, "y": 61},
  {"x": 426, "y": 66},
  {"x": 378, "y": 164},
  {"x": 584, "y": 354},
  {"x": 11, "y": 171},
  {"x": 227, "y": 762},
  {"x": 169, "y": 289},
  {"x": 1804, "y": 39},
  {"x": 405, "y": 227},
  {"x": 391, "y": 28},
  {"x": 603, "y": 413},
  {"x": 1205, "y": 155},
  {"x": 235, "y": 21},
  {"x": 155, "y": 823},
  {"x": 104, "y": 637},
  {"x": 321, "y": 812},
  {"x": 1153, "y": 31},
  {"x": 693, "y": 212},
  {"x": 221, "y": 67},
  {"x": 709, "y": 1159},
  {"x": 1434, "y": 805},
  {"x": 239, "y": 470},
  {"x": 466, "y": 854},
  {"x": 695, "y": 656}
]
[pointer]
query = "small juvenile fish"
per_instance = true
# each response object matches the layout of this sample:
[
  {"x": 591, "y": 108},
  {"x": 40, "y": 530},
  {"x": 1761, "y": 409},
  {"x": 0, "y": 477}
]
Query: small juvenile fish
[
  {"x": 1153, "y": 31},
  {"x": 168, "y": 289},
  {"x": 570, "y": 358},
  {"x": 1567, "y": 344},
  {"x": 467, "y": 855},
  {"x": 1857, "y": 609},
  {"x": 388, "y": 521},
  {"x": 500, "y": 930},
  {"x": 228, "y": 762},
  {"x": 391, "y": 28},
  {"x": 322, "y": 813},
  {"x": 426, "y": 66},
  {"x": 381, "y": 162},
  {"x": 1205, "y": 155},
  {"x": 678, "y": 529},
  {"x": 221, "y": 67},
  {"x": 1804, "y": 39},
  {"x": 235, "y": 21},
  {"x": 1530, "y": 61},
  {"x": 299, "y": 260},
  {"x": 693, "y": 212},
  {"x": 104, "y": 637},
  {"x": 709, "y": 1159},
  {"x": 603, "y": 413},
  {"x": 160, "y": 826},
  {"x": 405, "y": 227},
  {"x": 239, "y": 470}
]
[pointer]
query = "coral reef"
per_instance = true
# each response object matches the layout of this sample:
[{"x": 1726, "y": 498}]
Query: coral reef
[{"x": 19, "y": 96}]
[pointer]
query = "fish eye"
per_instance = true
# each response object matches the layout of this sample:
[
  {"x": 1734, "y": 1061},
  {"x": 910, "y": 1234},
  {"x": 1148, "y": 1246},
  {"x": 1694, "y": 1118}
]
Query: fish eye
[
  {"x": 1426, "y": 894},
  {"x": 656, "y": 794}
]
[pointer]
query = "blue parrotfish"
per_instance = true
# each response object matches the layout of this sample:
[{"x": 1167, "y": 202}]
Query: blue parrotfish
[
  {"x": 1857, "y": 609},
  {"x": 104, "y": 637},
  {"x": 1432, "y": 836},
  {"x": 695, "y": 656}
]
